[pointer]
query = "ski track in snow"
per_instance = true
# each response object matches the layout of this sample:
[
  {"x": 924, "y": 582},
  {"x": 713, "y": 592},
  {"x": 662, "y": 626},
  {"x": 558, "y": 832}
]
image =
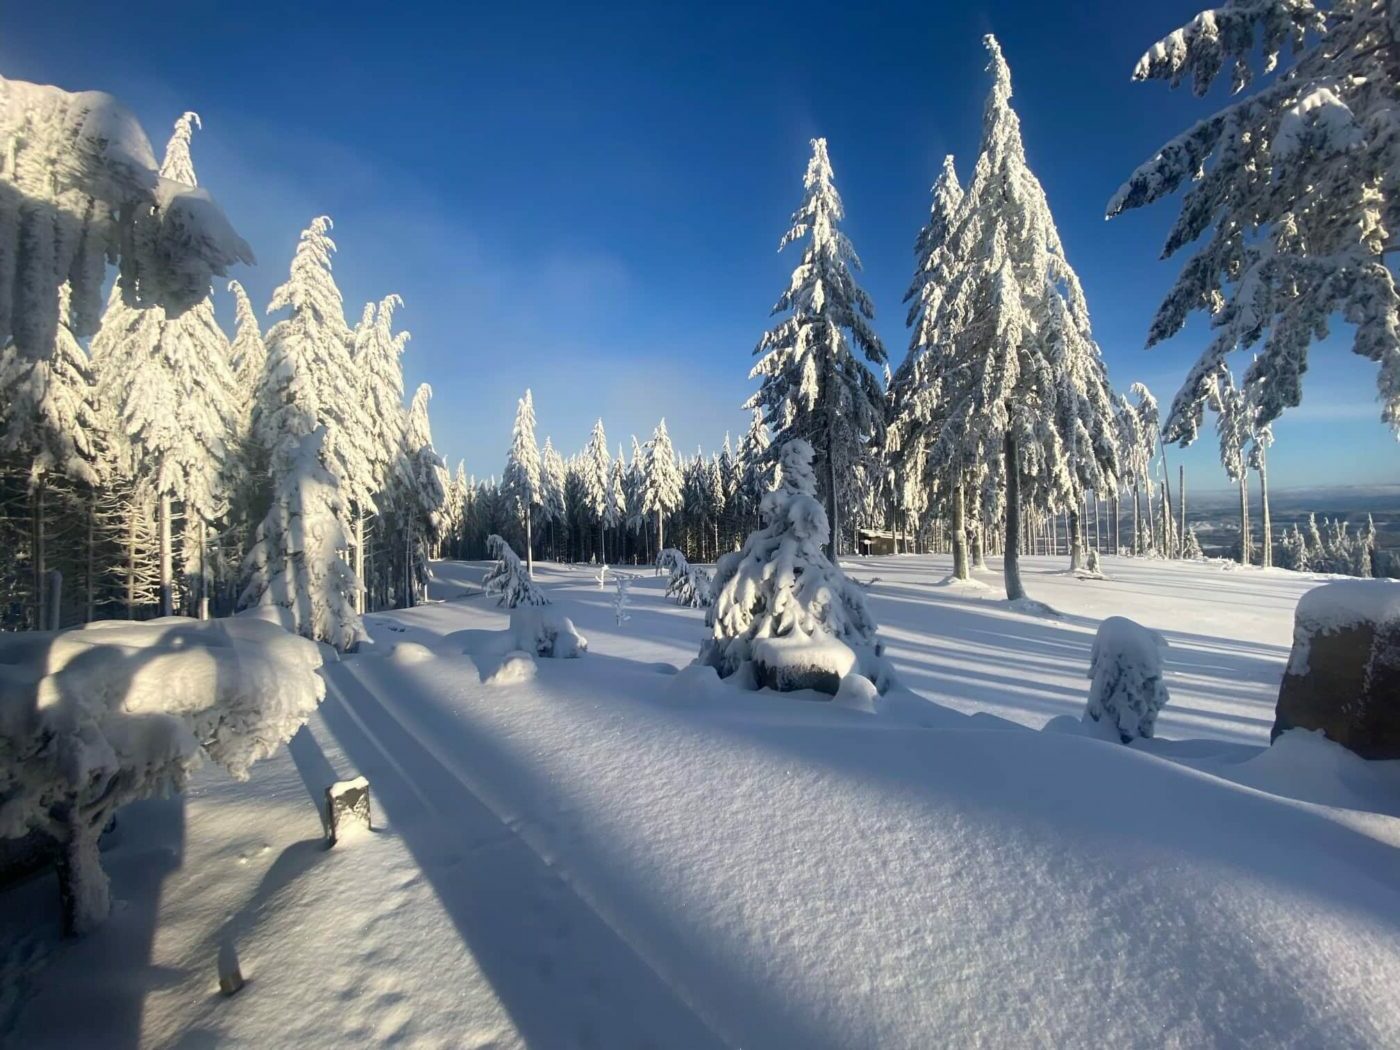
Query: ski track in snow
[{"x": 597, "y": 858}]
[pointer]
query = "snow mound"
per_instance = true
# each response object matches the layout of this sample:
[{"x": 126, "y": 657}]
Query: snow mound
[
  {"x": 1031, "y": 607},
  {"x": 1304, "y": 764},
  {"x": 515, "y": 668},
  {"x": 411, "y": 653},
  {"x": 544, "y": 632},
  {"x": 698, "y": 683},
  {"x": 858, "y": 693}
]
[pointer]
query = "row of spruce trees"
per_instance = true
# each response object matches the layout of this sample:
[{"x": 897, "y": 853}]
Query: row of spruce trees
[{"x": 169, "y": 468}]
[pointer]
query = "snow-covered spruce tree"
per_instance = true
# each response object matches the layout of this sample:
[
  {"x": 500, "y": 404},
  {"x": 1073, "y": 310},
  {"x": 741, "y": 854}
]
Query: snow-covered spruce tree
[
  {"x": 521, "y": 479},
  {"x": 248, "y": 361},
  {"x": 919, "y": 440},
  {"x": 510, "y": 577},
  {"x": 1298, "y": 185},
  {"x": 597, "y": 482},
  {"x": 1234, "y": 424},
  {"x": 755, "y": 463},
  {"x": 419, "y": 495},
  {"x": 553, "y": 505},
  {"x": 378, "y": 364},
  {"x": 1019, "y": 368},
  {"x": 689, "y": 584},
  {"x": 327, "y": 394},
  {"x": 782, "y": 608},
  {"x": 296, "y": 561},
  {"x": 615, "y": 513},
  {"x": 79, "y": 186},
  {"x": 52, "y": 430},
  {"x": 813, "y": 385},
  {"x": 173, "y": 391},
  {"x": 661, "y": 481},
  {"x": 1129, "y": 687}
]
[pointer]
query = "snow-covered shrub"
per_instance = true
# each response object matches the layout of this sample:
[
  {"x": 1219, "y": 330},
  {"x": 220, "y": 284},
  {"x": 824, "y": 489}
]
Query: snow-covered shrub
[
  {"x": 510, "y": 578},
  {"x": 689, "y": 585},
  {"x": 1128, "y": 688},
  {"x": 545, "y": 632},
  {"x": 621, "y": 598},
  {"x": 782, "y": 607},
  {"x": 96, "y": 717}
]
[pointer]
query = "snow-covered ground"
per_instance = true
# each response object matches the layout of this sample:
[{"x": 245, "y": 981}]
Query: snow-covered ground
[{"x": 611, "y": 853}]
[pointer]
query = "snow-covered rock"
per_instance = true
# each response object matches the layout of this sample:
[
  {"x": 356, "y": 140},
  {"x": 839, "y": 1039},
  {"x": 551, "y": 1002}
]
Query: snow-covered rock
[
  {"x": 1128, "y": 686},
  {"x": 1343, "y": 673}
]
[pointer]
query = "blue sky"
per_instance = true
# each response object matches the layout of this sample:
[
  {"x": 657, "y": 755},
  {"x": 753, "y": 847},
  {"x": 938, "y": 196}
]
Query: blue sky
[{"x": 588, "y": 202}]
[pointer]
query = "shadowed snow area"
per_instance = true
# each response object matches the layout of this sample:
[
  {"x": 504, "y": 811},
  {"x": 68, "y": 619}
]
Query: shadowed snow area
[{"x": 603, "y": 852}]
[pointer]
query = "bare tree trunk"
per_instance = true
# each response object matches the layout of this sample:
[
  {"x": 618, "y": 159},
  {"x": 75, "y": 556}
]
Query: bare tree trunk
[
  {"x": 1076, "y": 554},
  {"x": 960, "y": 569},
  {"x": 1011, "y": 565},
  {"x": 40, "y": 540},
  {"x": 1266, "y": 522},
  {"x": 360, "y": 564},
  {"x": 90, "y": 602},
  {"x": 1181, "y": 499},
  {"x": 1244, "y": 517},
  {"x": 1174, "y": 550},
  {"x": 1137, "y": 518},
  {"x": 167, "y": 583},
  {"x": 529, "y": 544}
]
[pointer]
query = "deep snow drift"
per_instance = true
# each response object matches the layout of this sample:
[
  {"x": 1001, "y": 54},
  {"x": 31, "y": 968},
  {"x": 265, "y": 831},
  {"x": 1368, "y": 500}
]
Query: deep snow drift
[{"x": 621, "y": 849}]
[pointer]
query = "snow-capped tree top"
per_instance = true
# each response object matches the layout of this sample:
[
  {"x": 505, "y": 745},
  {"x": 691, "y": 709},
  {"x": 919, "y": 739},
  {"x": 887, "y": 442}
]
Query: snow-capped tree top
[
  {"x": 178, "y": 164},
  {"x": 522, "y": 474},
  {"x": 596, "y": 472},
  {"x": 1297, "y": 185},
  {"x": 247, "y": 353},
  {"x": 310, "y": 286},
  {"x": 1007, "y": 317},
  {"x": 661, "y": 476},
  {"x": 813, "y": 386}
]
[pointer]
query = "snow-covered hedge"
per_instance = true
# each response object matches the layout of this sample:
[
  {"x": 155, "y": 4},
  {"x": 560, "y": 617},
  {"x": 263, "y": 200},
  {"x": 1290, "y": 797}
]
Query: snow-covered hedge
[
  {"x": 96, "y": 717},
  {"x": 510, "y": 578},
  {"x": 688, "y": 584},
  {"x": 1128, "y": 687},
  {"x": 782, "y": 608}
]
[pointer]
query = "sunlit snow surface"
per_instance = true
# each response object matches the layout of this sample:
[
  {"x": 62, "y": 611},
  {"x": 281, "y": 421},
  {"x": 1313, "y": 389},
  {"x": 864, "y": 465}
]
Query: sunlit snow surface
[{"x": 605, "y": 853}]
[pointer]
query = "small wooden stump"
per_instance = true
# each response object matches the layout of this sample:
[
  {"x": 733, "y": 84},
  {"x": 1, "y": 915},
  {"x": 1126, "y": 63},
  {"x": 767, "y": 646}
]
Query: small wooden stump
[
  {"x": 347, "y": 808},
  {"x": 230, "y": 974}
]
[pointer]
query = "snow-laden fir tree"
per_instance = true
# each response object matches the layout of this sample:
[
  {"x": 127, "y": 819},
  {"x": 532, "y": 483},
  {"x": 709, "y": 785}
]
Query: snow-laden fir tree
[
  {"x": 297, "y": 558},
  {"x": 79, "y": 185},
  {"x": 661, "y": 480},
  {"x": 782, "y": 608},
  {"x": 1234, "y": 425},
  {"x": 420, "y": 492},
  {"x": 377, "y": 360},
  {"x": 920, "y": 439},
  {"x": 170, "y": 384},
  {"x": 597, "y": 482},
  {"x": 813, "y": 384},
  {"x": 53, "y": 429},
  {"x": 755, "y": 469},
  {"x": 1021, "y": 369},
  {"x": 1296, "y": 188},
  {"x": 615, "y": 515},
  {"x": 314, "y": 332},
  {"x": 553, "y": 504},
  {"x": 521, "y": 480},
  {"x": 510, "y": 577}
]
